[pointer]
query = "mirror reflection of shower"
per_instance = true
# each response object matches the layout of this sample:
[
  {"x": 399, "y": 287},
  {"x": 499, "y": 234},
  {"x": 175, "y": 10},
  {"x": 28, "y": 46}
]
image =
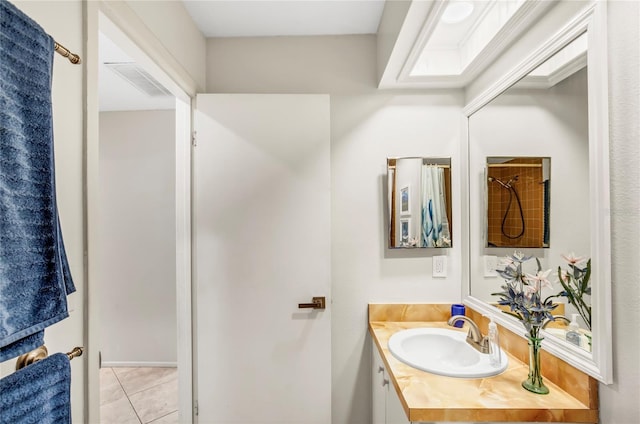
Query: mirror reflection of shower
[
  {"x": 512, "y": 193},
  {"x": 518, "y": 201}
]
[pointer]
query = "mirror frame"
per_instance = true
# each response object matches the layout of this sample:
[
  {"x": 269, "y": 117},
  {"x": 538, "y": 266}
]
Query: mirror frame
[{"x": 593, "y": 21}]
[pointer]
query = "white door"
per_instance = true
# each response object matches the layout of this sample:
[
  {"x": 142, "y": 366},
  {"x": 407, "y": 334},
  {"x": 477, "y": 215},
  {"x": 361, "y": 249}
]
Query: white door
[{"x": 262, "y": 246}]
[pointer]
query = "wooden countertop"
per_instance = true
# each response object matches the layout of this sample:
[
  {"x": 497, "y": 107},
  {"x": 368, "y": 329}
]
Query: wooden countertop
[{"x": 430, "y": 397}]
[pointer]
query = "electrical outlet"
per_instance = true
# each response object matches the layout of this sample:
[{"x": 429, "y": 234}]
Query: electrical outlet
[
  {"x": 490, "y": 265},
  {"x": 440, "y": 266}
]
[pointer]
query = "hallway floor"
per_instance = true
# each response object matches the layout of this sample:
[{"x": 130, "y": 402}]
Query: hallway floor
[{"x": 138, "y": 395}]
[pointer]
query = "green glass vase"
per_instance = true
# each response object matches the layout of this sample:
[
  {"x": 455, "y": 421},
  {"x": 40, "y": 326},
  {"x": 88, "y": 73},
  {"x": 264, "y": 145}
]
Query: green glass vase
[{"x": 534, "y": 382}]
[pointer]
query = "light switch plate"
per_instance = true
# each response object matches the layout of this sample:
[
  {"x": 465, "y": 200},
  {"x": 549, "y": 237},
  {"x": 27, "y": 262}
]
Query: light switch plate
[
  {"x": 490, "y": 265},
  {"x": 440, "y": 266}
]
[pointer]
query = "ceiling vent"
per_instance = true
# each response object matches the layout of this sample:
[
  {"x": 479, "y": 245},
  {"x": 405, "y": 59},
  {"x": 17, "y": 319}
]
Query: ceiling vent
[{"x": 138, "y": 77}]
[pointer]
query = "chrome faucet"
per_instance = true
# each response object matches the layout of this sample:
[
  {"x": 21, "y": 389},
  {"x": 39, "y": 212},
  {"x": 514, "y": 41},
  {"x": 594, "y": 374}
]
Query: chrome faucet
[
  {"x": 556, "y": 318},
  {"x": 474, "y": 337}
]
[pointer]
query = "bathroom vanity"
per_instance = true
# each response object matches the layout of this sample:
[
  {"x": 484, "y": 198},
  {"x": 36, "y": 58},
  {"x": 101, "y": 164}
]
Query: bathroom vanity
[{"x": 403, "y": 394}]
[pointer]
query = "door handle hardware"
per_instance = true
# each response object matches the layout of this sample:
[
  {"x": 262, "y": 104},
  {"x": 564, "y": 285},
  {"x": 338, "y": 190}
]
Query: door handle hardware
[{"x": 317, "y": 303}]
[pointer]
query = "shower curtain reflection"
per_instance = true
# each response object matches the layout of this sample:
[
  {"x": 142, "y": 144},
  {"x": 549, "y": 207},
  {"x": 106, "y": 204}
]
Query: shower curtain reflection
[
  {"x": 435, "y": 225},
  {"x": 419, "y": 202}
]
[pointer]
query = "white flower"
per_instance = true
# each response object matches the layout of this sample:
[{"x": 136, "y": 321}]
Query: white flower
[
  {"x": 572, "y": 259},
  {"x": 519, "y": 256},
  {"x": 540, "y": 279}
]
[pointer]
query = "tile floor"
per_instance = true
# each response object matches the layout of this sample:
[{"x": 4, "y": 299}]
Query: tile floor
[{"x": 138, "y": 395}]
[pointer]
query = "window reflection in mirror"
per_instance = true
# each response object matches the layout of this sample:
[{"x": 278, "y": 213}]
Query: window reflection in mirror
[
  {"x": 518, "y": 201},
  {"x": 419, "y": 202}
]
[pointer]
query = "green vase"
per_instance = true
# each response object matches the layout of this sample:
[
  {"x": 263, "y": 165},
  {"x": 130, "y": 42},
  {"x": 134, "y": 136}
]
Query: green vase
[{"x": 534, "y": 383}]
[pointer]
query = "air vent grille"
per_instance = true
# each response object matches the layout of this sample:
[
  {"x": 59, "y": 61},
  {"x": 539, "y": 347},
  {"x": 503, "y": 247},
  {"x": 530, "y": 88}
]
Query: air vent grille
[{"x": 138, "y": 77}]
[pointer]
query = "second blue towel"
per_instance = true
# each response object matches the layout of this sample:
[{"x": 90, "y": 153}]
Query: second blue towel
[{"x": 39, "y": 393}]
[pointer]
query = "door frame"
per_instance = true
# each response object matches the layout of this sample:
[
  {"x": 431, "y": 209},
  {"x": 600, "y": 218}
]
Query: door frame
[{"x": 115, "y": 20}]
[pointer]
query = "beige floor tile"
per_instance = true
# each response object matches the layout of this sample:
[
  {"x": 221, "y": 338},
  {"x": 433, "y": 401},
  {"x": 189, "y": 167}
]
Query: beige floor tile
[
  {"x": 118, "y": 412},
  {"x": 167, "y": 419},
  {"x": 110, "y": 389},
  {"x": 135, "y": 380},
  {"x": 156, "y": 402}
]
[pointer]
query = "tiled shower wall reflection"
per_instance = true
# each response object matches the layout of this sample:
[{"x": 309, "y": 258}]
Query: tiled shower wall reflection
[{"x": 530, "y": 188}]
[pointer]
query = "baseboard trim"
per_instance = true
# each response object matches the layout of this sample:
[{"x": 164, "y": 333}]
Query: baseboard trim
[{"x": 136, "y": 364}]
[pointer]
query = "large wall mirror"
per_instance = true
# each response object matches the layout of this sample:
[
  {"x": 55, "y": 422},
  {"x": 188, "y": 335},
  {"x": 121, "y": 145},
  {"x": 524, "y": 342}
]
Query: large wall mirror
[
  {"x": 551, "y": 110},
  {"x": 419, "y": 201}
]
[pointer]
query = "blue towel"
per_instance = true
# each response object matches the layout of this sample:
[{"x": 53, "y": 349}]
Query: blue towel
[
  {"x": 21, "y": 346},
  {"x": 34, "y": 273},
  {"x": 38, "y": 393}
]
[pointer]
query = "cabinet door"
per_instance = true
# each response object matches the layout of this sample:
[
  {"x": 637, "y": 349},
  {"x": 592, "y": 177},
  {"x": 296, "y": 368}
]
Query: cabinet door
[
  {"x": 386, "y": 406},
  {"x": 395, "y": 412},
  {"x": 379, "y": 388}
]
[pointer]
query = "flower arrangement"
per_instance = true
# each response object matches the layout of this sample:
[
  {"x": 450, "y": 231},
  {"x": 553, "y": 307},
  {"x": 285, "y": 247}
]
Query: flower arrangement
[
  {"x": 522, "y": 293},
  {"x": 576, "y": 284}
]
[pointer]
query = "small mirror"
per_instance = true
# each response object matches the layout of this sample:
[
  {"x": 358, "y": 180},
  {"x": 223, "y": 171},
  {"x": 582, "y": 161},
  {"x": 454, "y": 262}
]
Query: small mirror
[
  {"x": 419, "y": 201},
  {"x": 517, "y": 199}
]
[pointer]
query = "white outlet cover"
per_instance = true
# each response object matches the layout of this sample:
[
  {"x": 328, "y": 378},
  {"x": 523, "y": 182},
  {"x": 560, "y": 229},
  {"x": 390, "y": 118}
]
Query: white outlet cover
[
  {"x": 439, "y": 266},
  {"x": 490, "y": 265}
]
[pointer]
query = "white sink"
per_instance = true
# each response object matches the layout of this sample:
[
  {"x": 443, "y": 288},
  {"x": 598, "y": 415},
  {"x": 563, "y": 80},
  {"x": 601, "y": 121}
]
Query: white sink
[{"x": 444, "y": 352}]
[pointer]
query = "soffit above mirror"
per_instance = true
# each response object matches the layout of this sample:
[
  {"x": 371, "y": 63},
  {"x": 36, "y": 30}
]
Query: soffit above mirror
[{"x": 448, "y": 43}]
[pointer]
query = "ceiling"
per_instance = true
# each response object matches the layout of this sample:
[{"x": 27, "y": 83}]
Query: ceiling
[{"x": 267, "y": 18}]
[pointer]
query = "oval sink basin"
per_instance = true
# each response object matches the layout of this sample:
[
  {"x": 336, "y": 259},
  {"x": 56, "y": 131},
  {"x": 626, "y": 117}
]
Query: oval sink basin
[{"x": 443, "y": 352}]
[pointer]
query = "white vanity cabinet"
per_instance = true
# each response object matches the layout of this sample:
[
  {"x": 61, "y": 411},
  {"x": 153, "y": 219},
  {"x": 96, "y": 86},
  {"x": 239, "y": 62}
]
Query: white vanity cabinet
[{"x": 386, "y": 406}]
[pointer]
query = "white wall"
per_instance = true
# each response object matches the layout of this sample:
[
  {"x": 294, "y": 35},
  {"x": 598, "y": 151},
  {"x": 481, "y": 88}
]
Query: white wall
[
  {"x": 534, "y": 122},
  {"x": 291, "y": 65},
  {"x": 367, "y": 126},
  {"x": 137, "y": 245},
  {"x": 619, "y": 401},
  {"x": 63, "y": 21}
]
